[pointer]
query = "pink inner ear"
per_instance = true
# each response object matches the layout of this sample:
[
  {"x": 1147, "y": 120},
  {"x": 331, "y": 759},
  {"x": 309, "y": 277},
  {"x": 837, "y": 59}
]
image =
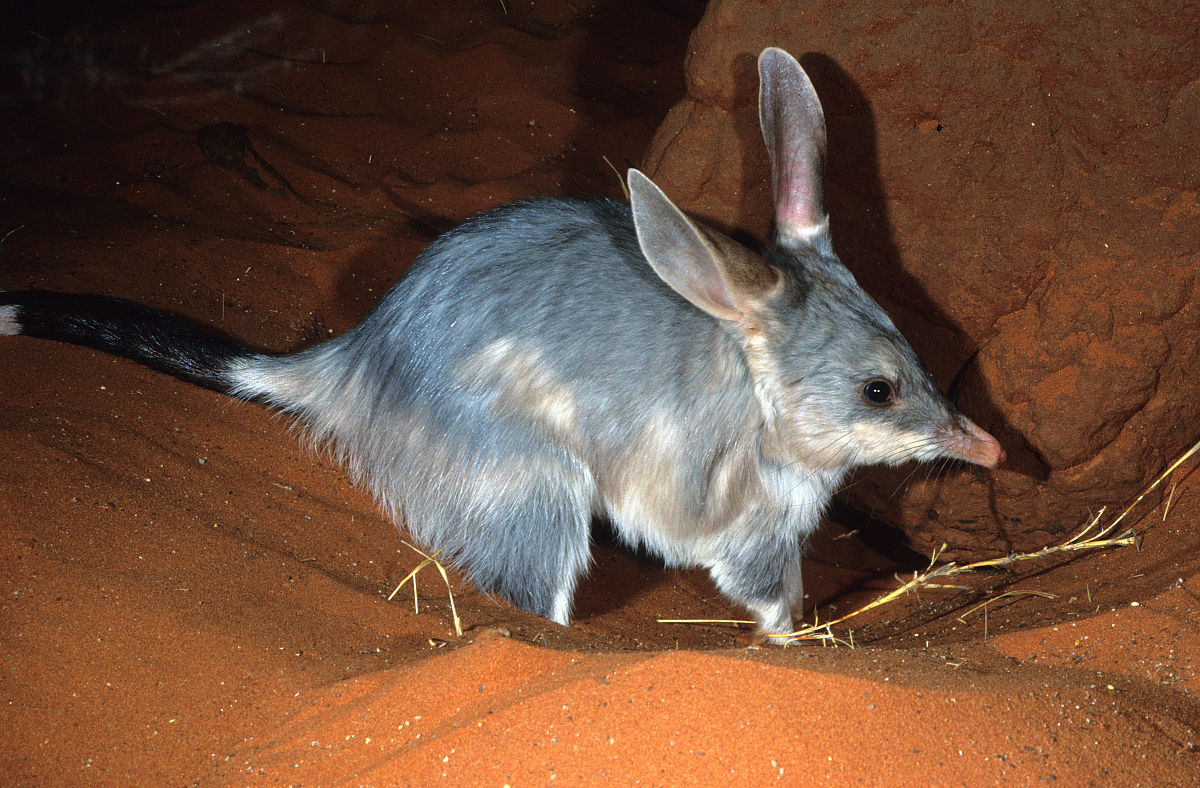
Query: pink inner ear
[
  {"x": 718, "y": 295},
  {"x": 799, "y": 190},
  {"x": 793, "y": 126},
  {"x": 798, "y": 209}
]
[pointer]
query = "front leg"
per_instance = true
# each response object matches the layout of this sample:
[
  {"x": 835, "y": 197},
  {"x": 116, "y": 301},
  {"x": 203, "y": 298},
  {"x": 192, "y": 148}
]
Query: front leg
[
  {"x": 762, "y": 573},
  {"x": 793, "y": 585}
]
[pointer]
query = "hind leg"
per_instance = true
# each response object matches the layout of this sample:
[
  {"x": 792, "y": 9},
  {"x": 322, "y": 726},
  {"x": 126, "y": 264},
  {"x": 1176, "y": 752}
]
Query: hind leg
[
  {"x": 541, "y": 549},
  {"x": 526, "y": 539}
]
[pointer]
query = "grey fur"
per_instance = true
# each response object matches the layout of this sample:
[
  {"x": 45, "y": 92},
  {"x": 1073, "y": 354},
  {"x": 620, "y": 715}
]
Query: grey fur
[{"x": 551, "y": 361}]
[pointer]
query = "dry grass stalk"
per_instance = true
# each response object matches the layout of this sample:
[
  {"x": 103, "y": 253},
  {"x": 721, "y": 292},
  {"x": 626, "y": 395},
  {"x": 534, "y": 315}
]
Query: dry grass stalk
[
  {"x": 991, "y": 599},
  {"x": 620, "y": 177},
  {"x": 429, "y": 559}
]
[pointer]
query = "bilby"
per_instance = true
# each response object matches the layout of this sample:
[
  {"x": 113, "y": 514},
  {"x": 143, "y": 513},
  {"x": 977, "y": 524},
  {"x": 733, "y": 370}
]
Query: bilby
[{"x": 556, "y": 360}]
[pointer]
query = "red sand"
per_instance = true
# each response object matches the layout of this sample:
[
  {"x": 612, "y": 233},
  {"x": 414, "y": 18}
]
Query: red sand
[{"x": 189, "y": 597}]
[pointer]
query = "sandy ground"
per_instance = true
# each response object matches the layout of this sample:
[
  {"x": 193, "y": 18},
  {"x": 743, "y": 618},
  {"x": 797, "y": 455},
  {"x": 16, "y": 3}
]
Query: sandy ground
[{"x": 191, "y": 597}]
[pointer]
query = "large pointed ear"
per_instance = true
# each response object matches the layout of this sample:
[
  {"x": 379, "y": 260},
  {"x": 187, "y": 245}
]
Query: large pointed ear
[
  {"x": 715, "y": 273},
  {"x": 793, "y": 126}
]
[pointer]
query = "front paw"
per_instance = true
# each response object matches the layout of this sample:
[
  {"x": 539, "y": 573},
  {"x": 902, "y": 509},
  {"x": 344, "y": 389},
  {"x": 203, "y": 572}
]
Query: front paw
[
  {"x": 762, "y": 637},
  {"x": 773, "y": 621}
]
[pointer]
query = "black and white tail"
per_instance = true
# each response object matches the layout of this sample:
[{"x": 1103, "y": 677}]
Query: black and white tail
[{"x": 124, "y": 328}]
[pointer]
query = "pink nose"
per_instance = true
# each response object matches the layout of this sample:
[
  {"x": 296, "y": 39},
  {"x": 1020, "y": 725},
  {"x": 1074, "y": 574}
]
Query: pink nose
[{"x": 979, "y": 447}]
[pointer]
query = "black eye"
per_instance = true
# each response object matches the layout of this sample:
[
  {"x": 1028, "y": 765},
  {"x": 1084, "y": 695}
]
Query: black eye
[{"x": 878, "y": 392}]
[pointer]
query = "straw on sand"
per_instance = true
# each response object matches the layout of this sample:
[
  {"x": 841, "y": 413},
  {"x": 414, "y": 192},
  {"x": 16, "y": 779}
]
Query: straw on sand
[{"x": 429, "y": 559}]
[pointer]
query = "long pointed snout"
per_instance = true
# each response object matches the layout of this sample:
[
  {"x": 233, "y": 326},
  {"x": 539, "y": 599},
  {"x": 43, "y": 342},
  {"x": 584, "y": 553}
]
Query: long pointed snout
[{"x": 975, "y": 445}]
